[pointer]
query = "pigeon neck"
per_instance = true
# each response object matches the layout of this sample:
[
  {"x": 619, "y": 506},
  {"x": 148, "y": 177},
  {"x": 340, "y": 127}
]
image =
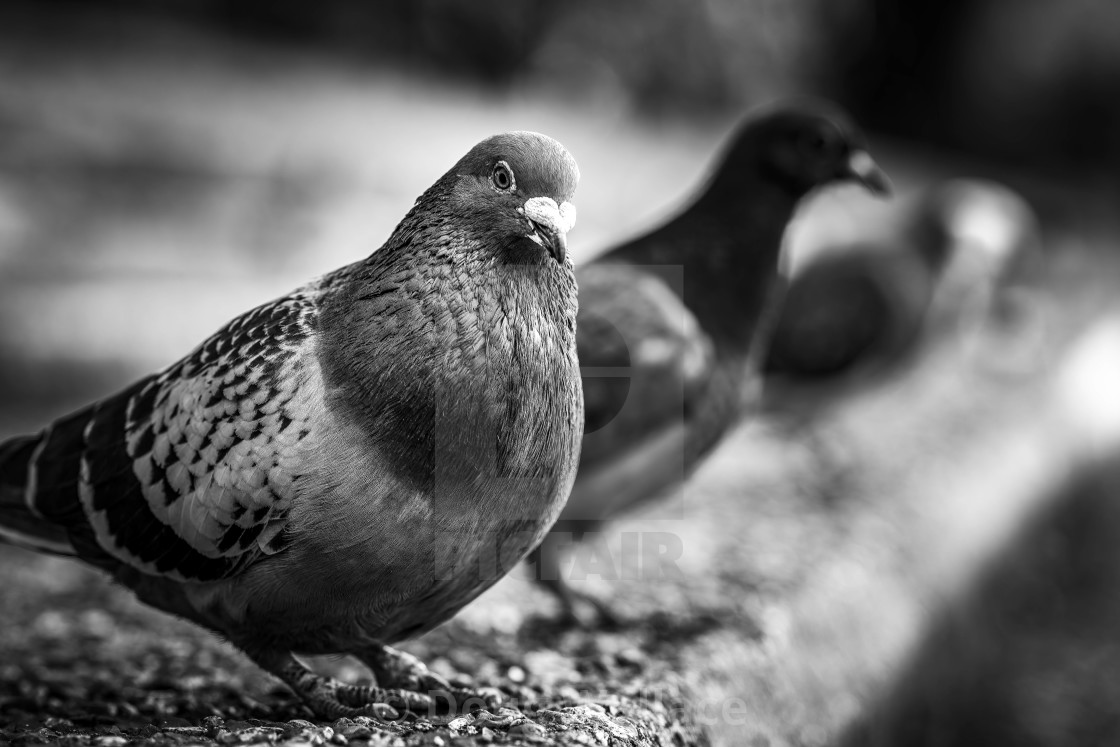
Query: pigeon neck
[{"x": 733, "y": 263}]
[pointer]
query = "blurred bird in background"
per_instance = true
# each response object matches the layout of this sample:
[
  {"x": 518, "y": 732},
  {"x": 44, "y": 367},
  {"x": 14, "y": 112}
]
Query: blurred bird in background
[
  {"x": 327, "y": 472},
  {"x": 991, "y": 292},
  {"x": 948, "y": 262},
  {"x": 667, "y": 320}
]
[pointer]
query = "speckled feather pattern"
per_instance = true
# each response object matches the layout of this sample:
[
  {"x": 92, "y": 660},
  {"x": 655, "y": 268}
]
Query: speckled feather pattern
[{"x": 189, "y": 473}]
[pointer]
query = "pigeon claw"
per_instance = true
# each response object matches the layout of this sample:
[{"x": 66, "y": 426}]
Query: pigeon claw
[{"x": 404, "y": 672}]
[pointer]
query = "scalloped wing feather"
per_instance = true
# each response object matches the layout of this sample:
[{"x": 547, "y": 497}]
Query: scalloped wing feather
[{"x": 191, "y": 473}]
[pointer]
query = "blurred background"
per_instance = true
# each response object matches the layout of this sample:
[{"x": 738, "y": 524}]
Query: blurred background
[{"x": 165, "y": 165}]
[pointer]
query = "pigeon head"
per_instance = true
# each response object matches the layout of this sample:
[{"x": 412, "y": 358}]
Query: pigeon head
[
  {"x": 519, "y": 186},
  {"x": 800, "y": 147}
]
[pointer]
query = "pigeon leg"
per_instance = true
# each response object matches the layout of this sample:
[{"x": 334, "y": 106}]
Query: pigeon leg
[
  {"x": 574, "y": 605},
  {"x": 580, "y": 609},
  {"x": 331, "y": 699},
  {"x": 403, "y": 671}
]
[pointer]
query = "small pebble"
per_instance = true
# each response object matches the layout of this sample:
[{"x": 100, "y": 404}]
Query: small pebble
[
  {"x": 567, "y": 692},
  {"x": 630, "y": 657},
  {"x": 527, "y": 729},
  {"x": 550, "y": 716},
  {"x": 460, "y": 723},
  {"x": 298, "y": 723}
]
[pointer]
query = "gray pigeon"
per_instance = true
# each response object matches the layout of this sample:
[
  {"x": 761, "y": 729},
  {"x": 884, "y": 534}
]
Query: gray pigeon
[{"x": 346, "y": 466}]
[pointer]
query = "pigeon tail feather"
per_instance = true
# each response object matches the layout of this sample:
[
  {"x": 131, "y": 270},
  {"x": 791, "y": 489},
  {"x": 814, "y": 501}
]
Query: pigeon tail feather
[{"x": 19, "y": 524}]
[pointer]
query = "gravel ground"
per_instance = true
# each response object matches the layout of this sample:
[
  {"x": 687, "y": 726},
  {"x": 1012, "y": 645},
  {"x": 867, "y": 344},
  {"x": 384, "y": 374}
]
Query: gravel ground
[{"x": 83, "y": 663}]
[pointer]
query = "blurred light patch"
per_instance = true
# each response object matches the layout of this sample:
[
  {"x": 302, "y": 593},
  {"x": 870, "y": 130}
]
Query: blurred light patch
[{"x": 1089, "y": 385}]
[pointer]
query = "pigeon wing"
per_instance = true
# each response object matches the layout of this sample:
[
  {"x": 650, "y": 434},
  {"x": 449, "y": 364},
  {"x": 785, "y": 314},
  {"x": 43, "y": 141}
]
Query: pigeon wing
[
  {"x": 189, "y": 473},
  {"x": 643, "y": 357}
]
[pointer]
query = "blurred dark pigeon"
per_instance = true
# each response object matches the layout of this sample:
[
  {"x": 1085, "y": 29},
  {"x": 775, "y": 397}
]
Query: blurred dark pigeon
[
  {"x": 936, "y": 264},
  {"x": 667, "y": 320},
  {"x": 333, "y": 471}
]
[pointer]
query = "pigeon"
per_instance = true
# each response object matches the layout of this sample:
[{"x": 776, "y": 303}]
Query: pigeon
[
  {"x": 348, "y": 465},
  {"x": 666, "y": 320},
  {"x": 863, "y": 307}
]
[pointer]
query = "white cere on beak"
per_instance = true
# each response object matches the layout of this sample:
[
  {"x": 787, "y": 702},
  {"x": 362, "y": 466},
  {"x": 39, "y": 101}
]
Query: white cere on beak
[
  {"x": 861, "y": 163},
  {"x": 549, "y": 224},
  {"x": 863, "y": 167},
  {"x": 545, "y": 212}
]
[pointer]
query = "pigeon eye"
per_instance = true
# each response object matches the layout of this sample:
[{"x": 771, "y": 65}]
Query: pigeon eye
[{"x": 502, "y": 177}]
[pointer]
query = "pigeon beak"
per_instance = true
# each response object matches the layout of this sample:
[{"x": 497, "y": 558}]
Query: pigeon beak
[
  {"x": 551, "y": 223},
  {"x": 862, "y": 167}
]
